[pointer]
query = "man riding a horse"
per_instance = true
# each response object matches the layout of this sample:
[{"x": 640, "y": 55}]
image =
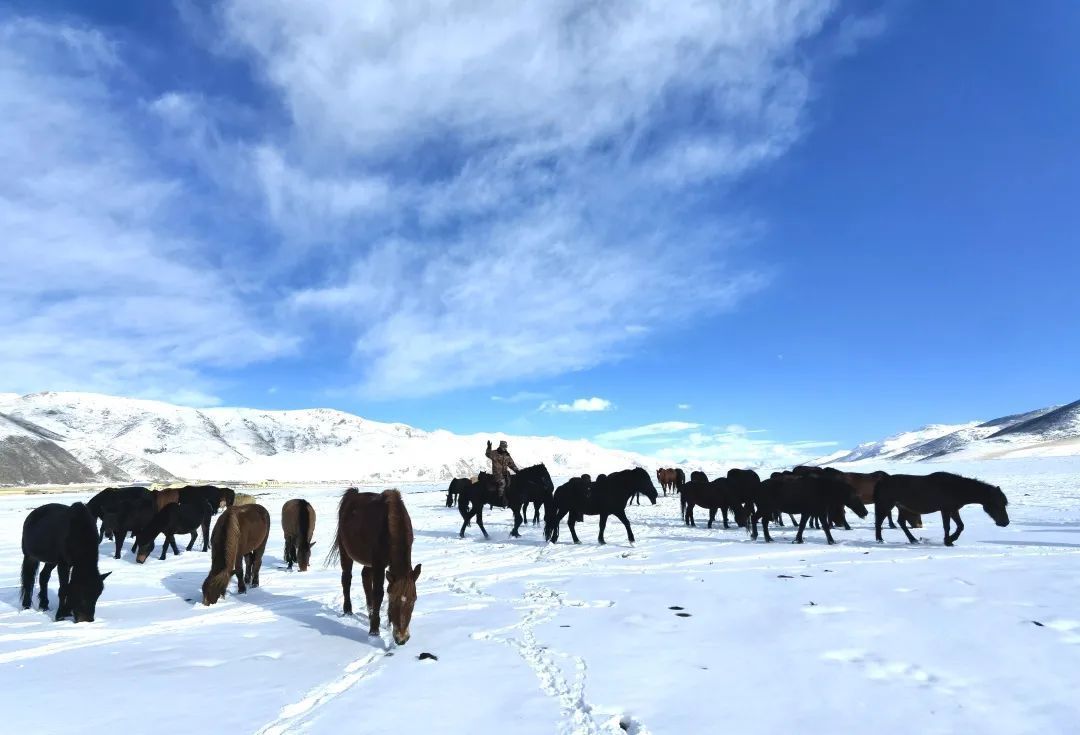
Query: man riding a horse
[{"x": 501, "y": 464}]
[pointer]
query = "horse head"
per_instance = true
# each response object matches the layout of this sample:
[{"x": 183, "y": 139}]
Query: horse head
[
  {"x": 402, "y": 594},
  {"x": 83, "y": 594},
  {"x": 995, "y": 507}
]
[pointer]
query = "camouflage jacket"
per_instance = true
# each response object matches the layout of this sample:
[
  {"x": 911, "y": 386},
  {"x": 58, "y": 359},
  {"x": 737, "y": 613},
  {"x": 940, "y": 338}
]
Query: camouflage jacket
[{"x": 501, "y": 462}]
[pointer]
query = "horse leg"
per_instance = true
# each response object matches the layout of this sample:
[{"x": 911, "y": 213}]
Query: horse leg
[
  {"x": 826, "y": 526},
  {"x": 257, "y": 557},
  {"x": 238, "y": 571},
  {"x": 570, "y": 523},
  {"x": 621, "y": 515},
  {"x": 191, "y": 543},
  {"x": 891, "y": 524},
  {"x": 946, "y": 523},
  {"x": 43, "y": 586},
  {"x": 802, "y": 527},
  {"x": 603, "y": 525},
  {"x": 517, "y": 520},
  {"x": 765, "y": 528},
  {"x": 290, "y": 549},
  {"x": 904, "y": 527},
  {"x": 63, "y": 579},
  {"x": 172, "y": 542},
  {"x": 724, "y": 510},
  {"x": 689, "y": 520},
  {"x": 373, "y": 594},
  {"x": 206, "y": 533},
  {"x": 29, "y": 570},
  {"x": 346, "y": 581},
  {"x": 881, "y": 510},
  {"x": 959, "y": 526},
  {"x": 712, "y": 516},
  {"x": 754, "y": 515},
  {"x": 480, "y": 520},
  {"x": 118, "y": 537},
  {"x": 558, "y": 520},
  {"x": 464, "y": 523}
]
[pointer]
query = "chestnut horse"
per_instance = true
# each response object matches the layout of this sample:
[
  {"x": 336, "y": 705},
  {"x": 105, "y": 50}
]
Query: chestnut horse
[
  {"x": 240, "y": 533},
  {"x": 667, "y": 477},
  {"x": 298, "y": 523},
  {"x": 374, "y": 530}
]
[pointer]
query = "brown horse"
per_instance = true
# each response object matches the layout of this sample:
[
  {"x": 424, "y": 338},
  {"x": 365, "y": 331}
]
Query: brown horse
[
  {"x": 298, "y": 523},
  {"x": 164, "y": 497},
  {"x": 667, "y": 477},
  {"x": 374, "y": 530},
  {"x": 240, "y": 533}
]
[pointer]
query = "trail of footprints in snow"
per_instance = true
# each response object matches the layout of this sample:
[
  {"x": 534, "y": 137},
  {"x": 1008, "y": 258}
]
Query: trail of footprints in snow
[
  {"x": 874, "y": 667},
  {"x": 570, "y": 694}
]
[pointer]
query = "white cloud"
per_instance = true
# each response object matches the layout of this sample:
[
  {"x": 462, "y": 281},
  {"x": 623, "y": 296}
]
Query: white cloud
[
  {"x": 502, "y": 183},
  {"x": 103, "y": 287},
  {"x": 684, "y": 407},
  {"x": 637, "y": 433},
  {"x": 579, "y": 405},
  {"x": 520, "y": 397}
]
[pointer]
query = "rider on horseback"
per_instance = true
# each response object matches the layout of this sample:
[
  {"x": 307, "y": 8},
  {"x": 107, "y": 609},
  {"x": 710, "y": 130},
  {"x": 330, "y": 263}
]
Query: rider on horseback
[{"x": 501, "y": 464}]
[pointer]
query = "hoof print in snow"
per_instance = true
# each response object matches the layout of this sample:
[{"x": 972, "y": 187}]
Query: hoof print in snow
[
  {"x": 1036, "y": 622},
  {"x": 682, "y": 614},
  {"x": 806, "y": 576},
  {"x": 676, "y": 607},
  {"x": 828, "y": 571},
  {"x": 426, "y": 655},
  {"x": 784, "y": 576},
  {"x": 813, "y": 604}
]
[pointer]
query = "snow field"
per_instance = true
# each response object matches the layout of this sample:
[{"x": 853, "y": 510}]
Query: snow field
[{"x": 537, "y": 638}]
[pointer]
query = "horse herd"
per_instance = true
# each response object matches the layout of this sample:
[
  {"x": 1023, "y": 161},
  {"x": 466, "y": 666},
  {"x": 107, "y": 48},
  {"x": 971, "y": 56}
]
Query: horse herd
[
  {"x": 821, "y": 496},
  {"x": 375, "y": 530}
]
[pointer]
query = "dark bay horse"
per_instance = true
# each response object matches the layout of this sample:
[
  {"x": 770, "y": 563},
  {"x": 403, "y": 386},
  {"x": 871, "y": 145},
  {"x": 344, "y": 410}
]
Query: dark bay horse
[
  {"x": 720, "y": 494},
  {"x": 536, "y": 486},
  {"x": 106, "y": 504},
  {"x": 63, "y": 537},
  {"x": 940, "y": 491},
  {"x": 172, "y": 519},
  {"x": 219, "y": 497},
  {"x": 698, "y": 476},
  {"x": 132, "y": 517},
  {"x": 471, "y": 502},
  {"x": 456, "y": 486},
  {"x": 608, "y": 496},
  {"x": 298, "y": 524},
  {"x": 810, "y": 495},
  {"x": 239, "y": 535},
  {"x": 374, "y": 530}
]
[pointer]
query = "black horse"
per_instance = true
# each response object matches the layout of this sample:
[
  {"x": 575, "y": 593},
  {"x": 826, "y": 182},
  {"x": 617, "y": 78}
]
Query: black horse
[
  {"x": 537, "y": 487},
  {"x": 608, "y": 496},
  {"x": 812, "y": 496},
  {"x": 720, "y": 494},
  {"x": 106, "y": 504},
  {"x": 63, "y": 537},
  {"x": 484, "y": 491},
  {"x": 172, "y": 519},
  {"x": 941, "y": 491},
  {"x": 698, "y": 476},
  {"x": 219, "y": 498},
  {"x": 456, "y": 486},
  {"x": 131, "y": 518}
]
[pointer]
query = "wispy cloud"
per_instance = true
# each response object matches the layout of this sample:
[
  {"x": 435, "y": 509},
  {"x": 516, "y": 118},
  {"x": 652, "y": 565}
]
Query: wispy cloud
[
  {"x": 105, "y": 287},
  {"x": 528, "y": 240},
  {"x": 636, "y": 433},
  {"x": 521, "y": 397},
  {"x": 579, "y": 405},
  {"x": 684, "y": 407}
]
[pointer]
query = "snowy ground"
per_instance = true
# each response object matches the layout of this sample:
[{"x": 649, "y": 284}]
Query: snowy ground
[{"x": 531, "y": 638}]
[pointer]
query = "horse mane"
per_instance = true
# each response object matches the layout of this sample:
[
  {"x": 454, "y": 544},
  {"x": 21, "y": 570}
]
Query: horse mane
[
  {"x": 398, "y": 525},
  {"x": 972, "y": 485},
  {"x": 223, "y": 555}
]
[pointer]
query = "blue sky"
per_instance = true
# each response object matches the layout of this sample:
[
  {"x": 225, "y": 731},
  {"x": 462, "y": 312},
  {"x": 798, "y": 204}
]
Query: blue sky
[{"x": 733, "y": 230}]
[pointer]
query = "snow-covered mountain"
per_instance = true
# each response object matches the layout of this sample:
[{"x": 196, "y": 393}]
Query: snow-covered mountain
[
  {"x": 80, "y": 437},
  {"x": 1053, "y": 431}
]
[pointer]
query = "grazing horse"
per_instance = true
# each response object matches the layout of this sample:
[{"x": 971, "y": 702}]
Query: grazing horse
[
  {"x": 698, "y": 476},
  {"x": 680, "y": 479},
  {"x": 298, "y": 524},
  {"x": 484, "y": 491},
  {"x": 63, "y": 537},
  {"x": 719, "y": 494},
  {"x": 456, "y": 486},
  {"x": 240, "y": 534},
  {"x": 609, "y": 495},
  {"x": 219, "y": 497},
  {"x": 172, "y": 519},
  {"x": 106, "y": 504},
  {"x": 811, "y": 495},
  {"x": 941, "y": 491},
  {"x": 667, "y": 477},
  {"x": 536, "y": 486},
  {"x": 374, "y": 530},
  {"x": 131, "y": 518}
]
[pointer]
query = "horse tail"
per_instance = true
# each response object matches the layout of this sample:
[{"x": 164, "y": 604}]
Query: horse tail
[
  {"x": 223, "y": 549},
  {"x": 304, "y": 520},
  {"x": 335, "y": 548}
]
